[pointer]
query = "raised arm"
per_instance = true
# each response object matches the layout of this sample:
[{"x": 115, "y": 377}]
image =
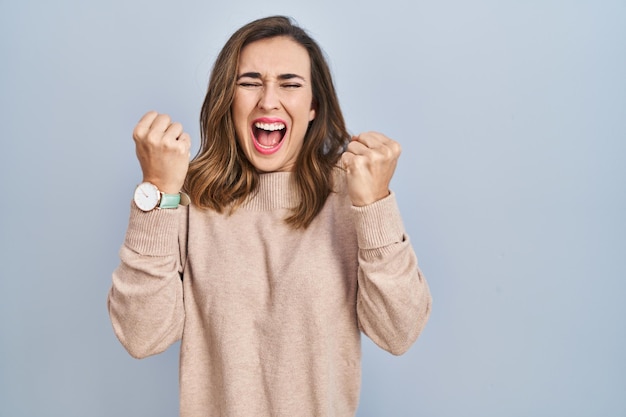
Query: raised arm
[
  {"x": 393, "y": 299},
  {"x": 146, "y": 298}
]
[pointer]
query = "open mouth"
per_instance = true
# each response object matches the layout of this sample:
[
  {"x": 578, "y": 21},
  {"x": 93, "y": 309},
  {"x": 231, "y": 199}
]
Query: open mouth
[{"x": 268, "y": 136}]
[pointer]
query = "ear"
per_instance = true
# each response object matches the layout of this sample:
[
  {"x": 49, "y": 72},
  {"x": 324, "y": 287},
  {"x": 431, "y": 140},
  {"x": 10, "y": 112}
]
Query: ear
[{"x": 313, "y": 111}]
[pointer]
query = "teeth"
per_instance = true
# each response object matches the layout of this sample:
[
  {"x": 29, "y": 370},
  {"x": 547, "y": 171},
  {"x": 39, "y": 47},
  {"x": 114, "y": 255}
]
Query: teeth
[{"x": 270, "y": 126}]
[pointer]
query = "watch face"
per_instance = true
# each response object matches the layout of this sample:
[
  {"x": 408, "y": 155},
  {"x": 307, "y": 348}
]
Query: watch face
[{"x": 146, "y": 196}]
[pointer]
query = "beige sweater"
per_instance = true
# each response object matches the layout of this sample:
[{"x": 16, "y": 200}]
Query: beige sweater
[{"x": 269, "y": 316}]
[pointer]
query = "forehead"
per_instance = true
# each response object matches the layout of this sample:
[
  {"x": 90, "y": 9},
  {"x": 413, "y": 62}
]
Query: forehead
[{"x": 274, "y": 56}]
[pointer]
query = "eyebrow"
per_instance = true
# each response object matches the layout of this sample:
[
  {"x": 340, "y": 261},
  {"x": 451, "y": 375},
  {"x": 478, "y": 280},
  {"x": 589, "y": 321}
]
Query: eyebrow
[{"x": 280, "y": 77}]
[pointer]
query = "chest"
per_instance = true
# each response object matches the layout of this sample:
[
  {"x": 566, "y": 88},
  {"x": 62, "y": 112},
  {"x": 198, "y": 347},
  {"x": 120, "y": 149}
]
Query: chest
[{"x": 255, "y": 260}]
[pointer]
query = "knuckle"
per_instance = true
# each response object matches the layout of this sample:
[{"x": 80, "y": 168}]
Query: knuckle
[
  {"x": 149, "y": 116},
  {"x": 176, "y": 127},
  {"x": 177, "y": 148},
  {"x": 360, "y": 162},
  {"x": 169, "y": 146},
  {"x": 351, "y": 146},
  {"x": 163, "y": 118},
  {"x": 386, "y": 152},
  {"x": 139, "y": 133},
  {"x": 153, "y": 136}
]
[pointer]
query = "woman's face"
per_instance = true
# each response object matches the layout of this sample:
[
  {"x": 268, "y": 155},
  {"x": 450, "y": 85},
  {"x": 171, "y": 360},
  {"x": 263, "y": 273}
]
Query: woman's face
[{"x": 273, "y": 102}]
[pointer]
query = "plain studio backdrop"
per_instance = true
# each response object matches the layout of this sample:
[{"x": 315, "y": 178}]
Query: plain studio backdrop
[{"x": 512, "y": 119}]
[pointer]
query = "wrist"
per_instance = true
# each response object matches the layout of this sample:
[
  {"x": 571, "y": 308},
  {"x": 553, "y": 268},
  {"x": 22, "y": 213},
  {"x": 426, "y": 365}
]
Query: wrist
[
  {"x": 164, "y": 187},
  {"x": 148, "y": 197}
]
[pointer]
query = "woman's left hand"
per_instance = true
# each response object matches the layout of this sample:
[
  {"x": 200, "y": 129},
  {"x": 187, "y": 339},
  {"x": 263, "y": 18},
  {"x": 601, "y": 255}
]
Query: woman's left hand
[{"x": 370, "y": 161}]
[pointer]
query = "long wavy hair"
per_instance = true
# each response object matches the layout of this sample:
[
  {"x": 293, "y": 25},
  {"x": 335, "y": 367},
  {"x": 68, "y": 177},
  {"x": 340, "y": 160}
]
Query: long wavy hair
[{"x": 220, "y": 176}]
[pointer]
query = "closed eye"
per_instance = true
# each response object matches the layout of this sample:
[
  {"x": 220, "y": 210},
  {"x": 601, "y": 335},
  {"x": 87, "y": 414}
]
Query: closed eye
[{"x": 249, "y": 85}]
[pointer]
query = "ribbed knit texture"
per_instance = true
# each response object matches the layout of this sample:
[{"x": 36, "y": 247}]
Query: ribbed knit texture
[{"x": 271, "y": 317}]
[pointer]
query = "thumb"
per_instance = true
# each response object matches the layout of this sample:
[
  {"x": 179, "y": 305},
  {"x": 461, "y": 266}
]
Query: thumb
[{"x": 346, "y": 160}]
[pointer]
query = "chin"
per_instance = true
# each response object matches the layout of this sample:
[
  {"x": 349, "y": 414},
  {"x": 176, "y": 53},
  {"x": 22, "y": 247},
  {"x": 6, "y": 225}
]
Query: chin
[{"x": 265, "y": 166}]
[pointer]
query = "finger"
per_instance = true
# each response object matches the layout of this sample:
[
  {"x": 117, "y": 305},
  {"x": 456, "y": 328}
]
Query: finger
[
  {"x": 148, "y": 118},
  {"x": 173, "y": 131},
  {"x": 143, "y": 126},
  {"x": 156, "y": 133},
  {"x": 347, "y": 159},
  {"x": 352, "y": 161},
  {"x": 175, "y": 142},
  {"x": 183, "y": 143},
  {"x": 380, "y": 143},
  {"x": 358, "y": 148},
  {"x": 372, "y": 139},
  {"x": 180, "y": 145},
  {"x": 161, "y": 123},
  {"x": 185, "y": 140}
]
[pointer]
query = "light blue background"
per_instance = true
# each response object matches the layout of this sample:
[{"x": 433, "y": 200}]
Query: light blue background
[{"x": 512, "y": 118}]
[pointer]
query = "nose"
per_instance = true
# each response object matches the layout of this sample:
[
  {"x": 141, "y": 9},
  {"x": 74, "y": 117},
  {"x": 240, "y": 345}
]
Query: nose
[{"x": 269, "y": 98}]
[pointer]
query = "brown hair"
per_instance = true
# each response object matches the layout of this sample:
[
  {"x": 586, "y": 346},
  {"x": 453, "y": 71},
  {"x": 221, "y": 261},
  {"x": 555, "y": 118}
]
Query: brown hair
[{"x": 220, "y": 175}]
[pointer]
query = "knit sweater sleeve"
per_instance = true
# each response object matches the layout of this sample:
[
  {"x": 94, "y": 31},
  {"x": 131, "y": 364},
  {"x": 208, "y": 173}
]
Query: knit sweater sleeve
[
  {"x": 393, "y": 299},
  {"x": 145, "y": 301}
]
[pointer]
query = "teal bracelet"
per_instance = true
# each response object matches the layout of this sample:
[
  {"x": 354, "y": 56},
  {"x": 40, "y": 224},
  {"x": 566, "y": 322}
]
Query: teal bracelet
[{"x": 169, "y": 201}]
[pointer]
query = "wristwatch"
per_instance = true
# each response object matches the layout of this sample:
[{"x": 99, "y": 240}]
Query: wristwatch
[{"x": 148, "y": 197}]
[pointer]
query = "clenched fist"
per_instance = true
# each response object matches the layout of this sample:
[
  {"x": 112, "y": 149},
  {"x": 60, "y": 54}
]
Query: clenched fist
[
  {"x": 163, "y": 150},
  {"x": 370, "y": 161}
]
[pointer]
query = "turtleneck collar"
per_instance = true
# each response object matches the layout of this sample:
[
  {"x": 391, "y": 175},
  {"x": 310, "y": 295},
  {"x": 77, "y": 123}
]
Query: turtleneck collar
[{"x": 276, "y": 190}]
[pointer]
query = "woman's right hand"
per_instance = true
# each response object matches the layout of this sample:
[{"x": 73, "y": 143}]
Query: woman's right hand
[{"x": 163, "y": 150}]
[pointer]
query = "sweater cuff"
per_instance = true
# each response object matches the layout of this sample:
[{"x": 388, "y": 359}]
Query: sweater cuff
[
  {"x": 153, "y": 233},
  {"x": 379, "y": 224}
]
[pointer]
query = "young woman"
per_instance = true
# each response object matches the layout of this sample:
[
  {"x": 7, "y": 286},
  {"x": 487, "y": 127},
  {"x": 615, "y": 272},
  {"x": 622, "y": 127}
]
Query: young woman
[{"x": 292, "y": 244}]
